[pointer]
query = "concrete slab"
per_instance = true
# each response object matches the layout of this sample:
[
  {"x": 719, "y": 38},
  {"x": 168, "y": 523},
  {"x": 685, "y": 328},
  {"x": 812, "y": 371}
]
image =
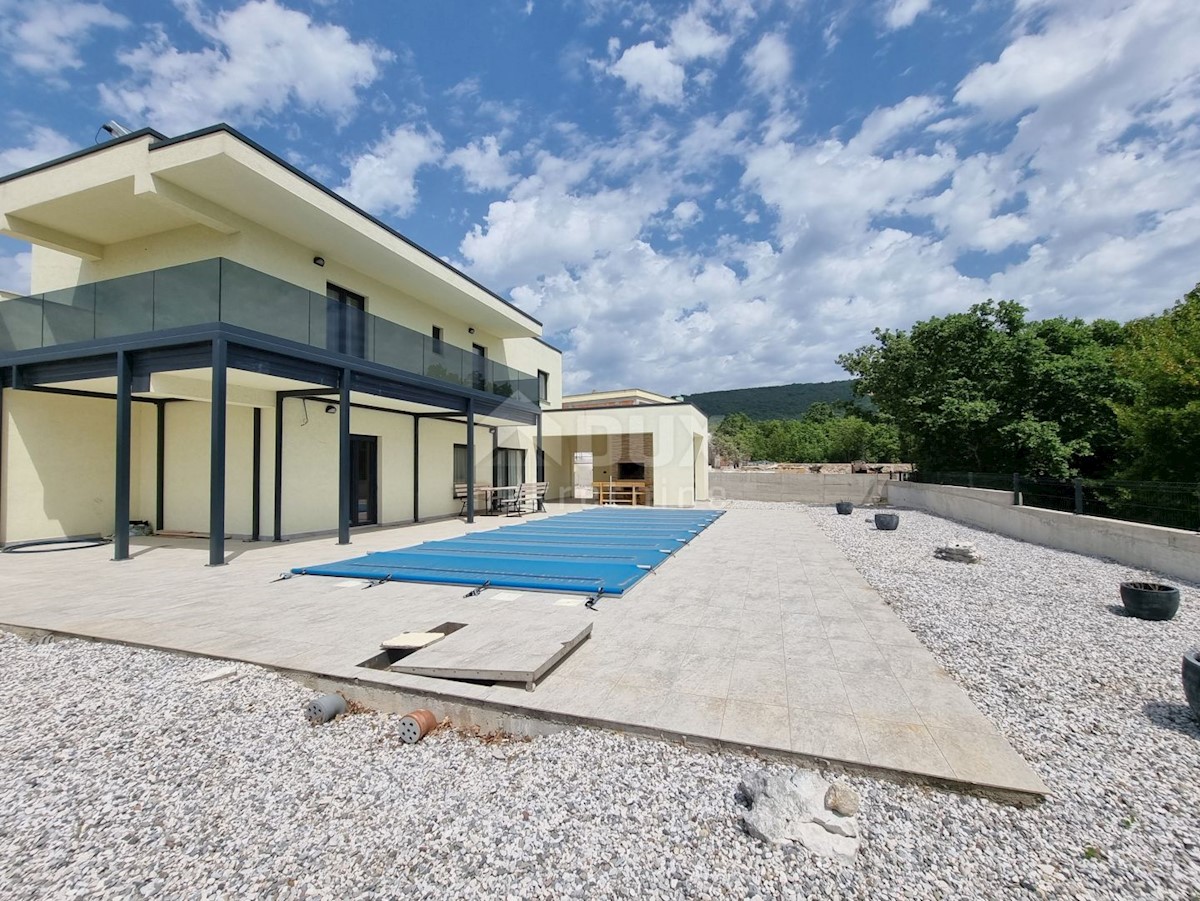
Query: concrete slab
[
  {"x": 758, "y": 634},
  {"x": 519, "y": 646}
]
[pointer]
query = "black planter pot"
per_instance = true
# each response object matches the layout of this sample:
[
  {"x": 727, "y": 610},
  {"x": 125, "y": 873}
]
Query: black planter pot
[
  {"x": 1149, "y": 600},
  {"x": 887, "y": 522},
  {"x": 1191, "y": 681},
  {"x": 845, "y": 508}
]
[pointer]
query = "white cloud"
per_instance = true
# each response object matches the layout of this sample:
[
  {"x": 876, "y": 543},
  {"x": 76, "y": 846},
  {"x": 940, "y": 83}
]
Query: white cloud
[
  {"x": 883, "y": 126},
  {"x": 692, "y": 37},
  {"x": 43, "y": 144},
  {"x": 383, "y": 179},
  {"x": 261, "y": 58},
  {"x": 483, "y": 166},
  {"x": 902, "y": 13},
  {"x": 769, "y": 64},
  {"x": 46, "y": 38},
  {"x": 686, "y": 212},
  {"x": 651, "y": 71},
  {"x": 15, "y": 271}
]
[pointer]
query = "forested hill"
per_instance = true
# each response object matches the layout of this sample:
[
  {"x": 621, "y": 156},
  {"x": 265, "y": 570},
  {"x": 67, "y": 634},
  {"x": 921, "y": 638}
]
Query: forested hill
[{"x": 775, "y": 402}]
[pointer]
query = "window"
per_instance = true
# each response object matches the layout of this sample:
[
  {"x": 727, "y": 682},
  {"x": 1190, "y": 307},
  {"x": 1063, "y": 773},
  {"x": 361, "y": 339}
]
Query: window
[
  {"x": 437, "y": 339},
  {"x": 543, "y": 385},
  {"x": 460, "y": 464},
  {"x": 510, "y": 466}
]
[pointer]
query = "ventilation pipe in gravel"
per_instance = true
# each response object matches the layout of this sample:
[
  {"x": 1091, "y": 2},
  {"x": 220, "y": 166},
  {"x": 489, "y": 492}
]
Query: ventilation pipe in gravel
[
  {"x": 325, "y": 708},
  {"x": 416, "y": 726}
]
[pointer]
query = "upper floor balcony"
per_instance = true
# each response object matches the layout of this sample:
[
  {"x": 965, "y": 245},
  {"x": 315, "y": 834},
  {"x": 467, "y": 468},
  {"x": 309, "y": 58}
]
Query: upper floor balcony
[{"x": 222, "y": 291}]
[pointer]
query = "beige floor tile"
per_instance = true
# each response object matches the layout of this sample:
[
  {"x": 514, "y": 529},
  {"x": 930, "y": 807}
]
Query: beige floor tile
[
  {"x": 807, "y": 650},
  {"x": 859, "y": 657},
  {"x": 714, "y": 641},
  {"x": 945, "y": 705},
  {"x": 761, "y": 682},
  {"x": 903, "y": 746},
  {"x": 986, "y": 759},
  {"x": 842, "y": 629},
  {"x": 703, "y": 675},
  {"x": 817, "y": 688},
  {"x": 915, "y": 663},
  {"x": 635, "y": 705},
  {"x": 802, "y": 625},
  {"x": 691, "y": 714},
  {"x": 834, "y": 736},
  {"x": 750, "y": 723},
  {"x": 880, "y": 698}
]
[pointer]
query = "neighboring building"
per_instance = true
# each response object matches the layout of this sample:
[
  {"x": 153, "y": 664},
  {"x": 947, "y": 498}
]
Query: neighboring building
[{"x": 357, "y": 378}]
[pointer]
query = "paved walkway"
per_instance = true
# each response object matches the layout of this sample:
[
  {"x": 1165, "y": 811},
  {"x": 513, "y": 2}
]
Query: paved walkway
[{"x": 759, "y": 633}]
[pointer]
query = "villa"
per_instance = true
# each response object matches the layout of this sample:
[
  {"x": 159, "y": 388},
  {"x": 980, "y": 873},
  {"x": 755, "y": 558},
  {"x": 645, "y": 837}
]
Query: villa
[{"x": 217, "y": 344}]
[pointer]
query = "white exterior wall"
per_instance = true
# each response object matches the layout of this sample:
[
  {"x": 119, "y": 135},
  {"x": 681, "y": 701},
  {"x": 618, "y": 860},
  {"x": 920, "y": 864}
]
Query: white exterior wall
[
  {"x": 58, "y": 465},
  {"x": 680, "y": 437}
]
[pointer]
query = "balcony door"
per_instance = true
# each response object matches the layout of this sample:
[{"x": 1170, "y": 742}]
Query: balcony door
[
  {"x": 479, "y": 367},
  {"x": 346, "y": 324},
  {"x": 364, "y": 480}
]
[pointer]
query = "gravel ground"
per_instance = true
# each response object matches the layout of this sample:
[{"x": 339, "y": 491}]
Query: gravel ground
[
  {"x": 123, "y": 776},
  {"x": 1090, "y": 697}
]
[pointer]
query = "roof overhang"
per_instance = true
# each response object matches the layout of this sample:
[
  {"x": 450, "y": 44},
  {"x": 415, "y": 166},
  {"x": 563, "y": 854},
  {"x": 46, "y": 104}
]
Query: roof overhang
[{"x": 216, "y": 178}]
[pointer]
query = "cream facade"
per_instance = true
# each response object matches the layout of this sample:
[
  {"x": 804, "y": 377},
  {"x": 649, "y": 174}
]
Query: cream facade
[
  {"x": 216, "y": 343},
  {"x": 654, "y": 444}
]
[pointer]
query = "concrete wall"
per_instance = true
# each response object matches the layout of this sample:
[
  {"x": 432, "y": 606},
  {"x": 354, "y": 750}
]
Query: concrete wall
[
  {"x": 1170, "y": 551},
  {"x": 798, "y": 487}
]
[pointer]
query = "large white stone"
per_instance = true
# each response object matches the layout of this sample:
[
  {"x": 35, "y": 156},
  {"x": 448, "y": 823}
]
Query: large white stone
[{"x": 791, "y": 807}]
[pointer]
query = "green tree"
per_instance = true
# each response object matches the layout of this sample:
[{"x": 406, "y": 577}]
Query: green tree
[
  {"x": 986, "y": 390},
  {"x": 1161, "y": 356}
]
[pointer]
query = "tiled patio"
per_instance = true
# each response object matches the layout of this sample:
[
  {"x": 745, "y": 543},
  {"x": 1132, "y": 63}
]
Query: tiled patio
[{"x": 759, "y": 633}]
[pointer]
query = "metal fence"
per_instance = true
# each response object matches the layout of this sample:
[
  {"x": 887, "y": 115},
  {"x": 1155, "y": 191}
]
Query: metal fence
[{"x": 1175, "y": 505}]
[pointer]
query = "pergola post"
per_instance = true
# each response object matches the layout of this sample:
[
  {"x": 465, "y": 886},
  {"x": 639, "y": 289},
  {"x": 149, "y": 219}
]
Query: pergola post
[
  {"x": 470, "y": 460},
  {"x": 124, "y": 440},
  {"x": 344, "y": 458},
  {"x": 216, "y": 460},
  {"x": 416, "y": 468},
  {"x": 278, "y": 532}
]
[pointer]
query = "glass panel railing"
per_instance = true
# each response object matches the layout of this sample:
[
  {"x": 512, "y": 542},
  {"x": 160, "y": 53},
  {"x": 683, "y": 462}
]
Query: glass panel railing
[
  {"x": 187, "y": 295},
  {"x": 125, "y": 306},
  {"x": 21, "y": 323},
  {"x": 259, "y": 302},
  {"x": 69, "y": 315},
  {"x": 220, "y": 290},
  {"x": 399, "y": 347}
]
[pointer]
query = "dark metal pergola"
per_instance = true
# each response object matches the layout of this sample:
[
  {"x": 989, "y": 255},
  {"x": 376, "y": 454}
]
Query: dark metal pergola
[{"x": 220, "y": 347}]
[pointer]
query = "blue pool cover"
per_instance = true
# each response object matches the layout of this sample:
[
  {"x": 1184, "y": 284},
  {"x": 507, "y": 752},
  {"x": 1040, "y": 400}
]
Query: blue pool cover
[{"x": 599, "y": 550}]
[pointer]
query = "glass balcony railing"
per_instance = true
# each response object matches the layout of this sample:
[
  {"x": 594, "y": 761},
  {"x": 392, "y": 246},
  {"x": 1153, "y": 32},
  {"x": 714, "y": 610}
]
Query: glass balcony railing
[{"x": 221, "y": 290}]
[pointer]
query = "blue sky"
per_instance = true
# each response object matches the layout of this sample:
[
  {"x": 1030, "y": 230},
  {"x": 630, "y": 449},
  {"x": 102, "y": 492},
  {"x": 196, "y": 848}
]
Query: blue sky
[{"x": 692, "y": 195}]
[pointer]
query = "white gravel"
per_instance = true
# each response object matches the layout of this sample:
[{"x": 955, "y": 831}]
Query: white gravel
[
  {"x": 1090, "y": 697},
  {"x": 123, "y": 776}
]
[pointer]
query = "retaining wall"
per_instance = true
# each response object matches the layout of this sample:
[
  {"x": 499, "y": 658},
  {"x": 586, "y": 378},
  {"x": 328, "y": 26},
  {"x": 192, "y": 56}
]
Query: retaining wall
[
  {"x": 799, "y": 487},
  {"x": 1171, "y": 551}
]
